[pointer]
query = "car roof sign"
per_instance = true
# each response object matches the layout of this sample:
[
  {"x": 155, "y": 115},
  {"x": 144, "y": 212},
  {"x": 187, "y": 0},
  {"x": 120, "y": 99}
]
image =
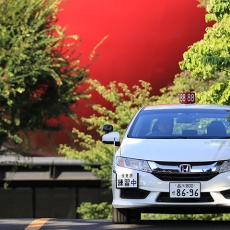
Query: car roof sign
[{"x": 187, "y": 98}]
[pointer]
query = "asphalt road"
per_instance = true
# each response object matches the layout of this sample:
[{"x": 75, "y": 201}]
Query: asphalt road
[{"x": 78, "y": 224}]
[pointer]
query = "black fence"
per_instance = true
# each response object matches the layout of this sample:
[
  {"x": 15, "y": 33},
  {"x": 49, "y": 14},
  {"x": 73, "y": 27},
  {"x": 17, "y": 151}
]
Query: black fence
[{"x": 46, "y": 187}]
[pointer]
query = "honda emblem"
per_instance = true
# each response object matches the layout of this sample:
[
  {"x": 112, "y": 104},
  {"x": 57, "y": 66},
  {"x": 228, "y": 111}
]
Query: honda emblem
[{"x": 185, "y": 168}]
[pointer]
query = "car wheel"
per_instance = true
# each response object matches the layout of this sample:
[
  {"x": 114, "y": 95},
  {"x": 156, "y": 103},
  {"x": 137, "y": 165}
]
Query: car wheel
[{"x": 121, "y": 216}]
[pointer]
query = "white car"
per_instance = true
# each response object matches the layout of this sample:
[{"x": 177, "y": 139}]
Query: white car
[{"x": 184, "y": 170}]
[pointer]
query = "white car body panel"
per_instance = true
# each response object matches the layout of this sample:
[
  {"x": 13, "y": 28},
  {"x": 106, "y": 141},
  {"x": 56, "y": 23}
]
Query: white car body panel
[
  {"x": 178, "y": 150},
  {"x": 189, "y": 150},
  {"x": 150, "y": 183}
]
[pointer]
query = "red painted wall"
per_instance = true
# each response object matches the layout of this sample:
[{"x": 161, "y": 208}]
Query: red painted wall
[{"x": 146, "y": 41}]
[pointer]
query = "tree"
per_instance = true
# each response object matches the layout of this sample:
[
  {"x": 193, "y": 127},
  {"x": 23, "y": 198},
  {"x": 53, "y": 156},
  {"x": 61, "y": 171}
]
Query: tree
[
  {"x": 211, "y": 55},
  {"x": 124, "y": 104},
  {"x": 184, "y": 82},
  {"x": 40, "y": 72},
  {"x": 203, "y": 3}
]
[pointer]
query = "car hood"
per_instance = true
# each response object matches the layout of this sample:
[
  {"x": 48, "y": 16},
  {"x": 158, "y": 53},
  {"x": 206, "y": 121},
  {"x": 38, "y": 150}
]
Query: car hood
[{"x": 174, "y": 150}]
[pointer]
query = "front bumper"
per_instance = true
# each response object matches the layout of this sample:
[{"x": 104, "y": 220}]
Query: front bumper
[{"x": 214, "y": 194}]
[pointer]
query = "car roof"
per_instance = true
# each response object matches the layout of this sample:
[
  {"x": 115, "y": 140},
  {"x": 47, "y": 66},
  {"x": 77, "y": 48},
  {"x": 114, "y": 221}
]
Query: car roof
[{"x": 186, "y": 106}]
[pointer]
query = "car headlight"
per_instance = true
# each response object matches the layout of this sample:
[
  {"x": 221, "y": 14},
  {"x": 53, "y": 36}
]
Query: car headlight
[
  {"x": 225, "y": 167},
  {"x": 131, "y": 163}
]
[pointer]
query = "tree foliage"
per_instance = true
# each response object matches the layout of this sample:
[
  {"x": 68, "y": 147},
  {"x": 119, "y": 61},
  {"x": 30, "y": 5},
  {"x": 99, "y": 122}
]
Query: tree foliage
[
  {"x": 96, "y": 211},
  {"x": 203, "y": 3},
  {"x": 210, "y": 55},
  {"x": 197, "y": 217},
  {"x": 184, "y": 82},
  {"x": 39, "y": 69},
  {"x": 124, "y": 104}
]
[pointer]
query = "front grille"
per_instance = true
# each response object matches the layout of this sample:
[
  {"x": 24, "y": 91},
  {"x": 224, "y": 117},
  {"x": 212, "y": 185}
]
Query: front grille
[
  {"x": 133, "y": 193},
  {"x": 204, "y": 197},
  {"x": 185, "y": 177},
  {"x": 194, "y": 171},
  {"x": 205, "y": 163}
]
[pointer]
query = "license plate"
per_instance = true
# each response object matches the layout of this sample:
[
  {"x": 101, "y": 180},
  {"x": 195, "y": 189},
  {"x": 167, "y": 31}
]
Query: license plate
[
  {"x": 184, "y": 190},
  {"x": 127, "y": 180}
]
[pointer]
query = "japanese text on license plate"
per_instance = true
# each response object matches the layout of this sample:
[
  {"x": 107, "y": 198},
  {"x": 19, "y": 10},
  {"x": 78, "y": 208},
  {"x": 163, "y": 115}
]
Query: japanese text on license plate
[
  {"x": 184, "y": 190},
  {"x": 127, "y": 180}
]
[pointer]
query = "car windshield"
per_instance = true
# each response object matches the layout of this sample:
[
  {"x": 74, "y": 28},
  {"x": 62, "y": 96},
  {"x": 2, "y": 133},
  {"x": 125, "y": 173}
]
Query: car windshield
[{"x": 181, "y": 123}]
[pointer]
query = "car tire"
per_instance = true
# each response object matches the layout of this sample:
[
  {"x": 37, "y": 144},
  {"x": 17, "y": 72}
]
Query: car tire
[{"x": 121, "y": 216}]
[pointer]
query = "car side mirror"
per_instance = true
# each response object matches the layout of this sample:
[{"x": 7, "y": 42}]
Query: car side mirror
[{"x": 111, "y": 138}]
